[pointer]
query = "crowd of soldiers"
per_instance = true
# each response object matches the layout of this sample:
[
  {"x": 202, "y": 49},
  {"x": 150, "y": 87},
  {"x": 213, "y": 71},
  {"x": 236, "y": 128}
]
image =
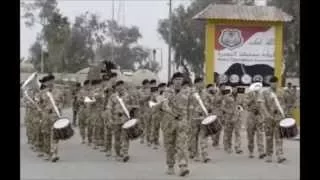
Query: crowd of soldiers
[{"x": 177, "y": 114}]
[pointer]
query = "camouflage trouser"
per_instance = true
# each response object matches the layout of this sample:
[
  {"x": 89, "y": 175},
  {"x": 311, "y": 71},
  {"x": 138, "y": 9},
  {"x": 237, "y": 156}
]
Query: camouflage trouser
[
  {"x": 98, "y": 131},
  {"x": 216, "y": 137},
  {"x": 194, "y": 137},
  {"x": 90, "y": 128},
  {"x": 108, "y": 136},
  {"x": 176, "y": 140},
  {"x": 121, "y": 140},
  {"x": 75, "y": 116},
  {"x": 273, "y": 132},
  {"x": 255, "y": 126},
  {"x": 35, "y": 135},
  {"x": 203, "y": 143},
  {"x": 155, "y": 129},
  {"x": 82, "y": 123},
  {"x": 147, "y": 126},
  {"x": 231, "y": 126},
  {"x": 164, "y": 126}
]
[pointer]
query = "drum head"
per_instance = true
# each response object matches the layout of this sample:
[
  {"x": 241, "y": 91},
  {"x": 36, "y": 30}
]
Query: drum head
[
  {"x": 288, "y": 122},
  {"x": 129, "y": 123},
  {"x": 61, "y": 123},
  {"x": 209, "y": 119}
]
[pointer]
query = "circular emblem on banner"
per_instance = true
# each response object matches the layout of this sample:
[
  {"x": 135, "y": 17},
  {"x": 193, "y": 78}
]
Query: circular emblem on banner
[
  {"x": 231, "y": 38},
  {"x": 257, "y": 78},
  {"x": 223, "y": 78},
  {"x": 267, "y": 79},
  {"x": 234, "y": 78},
  {"x": 246, "y": 79}
]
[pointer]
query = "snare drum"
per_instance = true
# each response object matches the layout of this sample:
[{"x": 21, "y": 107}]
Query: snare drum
[
  {"x": 133, "y": 129},
  {"x": 288, "y": 128},
  {"x": 62, "y": 129},
  {"x": 212, "y": 125}
]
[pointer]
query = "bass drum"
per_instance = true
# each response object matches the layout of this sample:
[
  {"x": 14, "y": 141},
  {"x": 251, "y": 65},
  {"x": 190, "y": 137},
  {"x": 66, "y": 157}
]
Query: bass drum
[
  {"x": 133, "y": 129},
  {"x": 62, "y": 129},
  {"x": 211, "y": 125},
  {"x": 288, "y": 128}
]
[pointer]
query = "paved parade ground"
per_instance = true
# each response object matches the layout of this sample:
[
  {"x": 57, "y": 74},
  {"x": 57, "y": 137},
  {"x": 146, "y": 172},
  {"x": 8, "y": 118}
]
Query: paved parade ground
[{"x": 78, "y": 161}]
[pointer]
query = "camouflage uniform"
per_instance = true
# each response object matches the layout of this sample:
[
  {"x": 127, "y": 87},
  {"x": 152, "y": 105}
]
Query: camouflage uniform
[
  {"x": 290, "y": 98},
  {"x": 83, "y": 113},
  {"x": 99, "y": 124},
  {"x": 117, "y": 118},
  {"x": 218, "y": 97},
  {"x": 198, "y": 132},
  {"x": 48, "y": 116},
  {"x": 255, "y": 123},
  {"x": 75, "y": 105},
  {"x": 176, "y": 133},
  {"x": 272, "y": 119},
  {"x": 240, "y": 101},
  {"x": 107, "y": 124},
  {"x": 229, "y": 110},
  {"x": 145, "y": 114},
  {"x": 155, "y": 121},
  {"x": 166, "y": 118}
]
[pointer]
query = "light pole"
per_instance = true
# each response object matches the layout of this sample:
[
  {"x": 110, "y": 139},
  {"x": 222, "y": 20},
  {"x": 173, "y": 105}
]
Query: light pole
[{"x": 170, "y": 39}]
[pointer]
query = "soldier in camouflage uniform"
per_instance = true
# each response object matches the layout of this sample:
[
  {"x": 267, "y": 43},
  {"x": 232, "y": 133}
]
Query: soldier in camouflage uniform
[
  {"x": 218, "y": 98},
  {"x": 198, "y": 139},
  {"x": 108, "y": 90},
  {"x": 48, "y": 117},
  {"x": 98, "y": 124},
  {"x": 229, "y": 114},
  {"x": 255, "y": 123},
  {"x": 75, "y": 103},
  {"x": 177, "y": 128},
  {"x": 117, "y": 117},
  {"x": 273, "y": 116},
  {"x": 144, "y": 96},
  {"x": 83, "y": 110},
  {"x": 92, "y": 115},
  {"x": 290, "y": 97}
]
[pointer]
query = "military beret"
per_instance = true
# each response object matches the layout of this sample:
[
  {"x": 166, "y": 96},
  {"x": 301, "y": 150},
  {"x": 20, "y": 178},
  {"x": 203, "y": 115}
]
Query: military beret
[
  {"x": 198, "y": 79},
  {"x": 145, "y": 81},
  {"x": 47, "y": 78},
  {"x": 186, "y": 82},
  {"x": 274, "y": 79},
  {"x": 162, "y": 85},
  {"x": 113, "y": 74},
  {"x": 209, "y": 86},
  {"x": 177, "y": 75},
  {"x": 119, "y": 82},
  {"x": 153, "y": 81}
]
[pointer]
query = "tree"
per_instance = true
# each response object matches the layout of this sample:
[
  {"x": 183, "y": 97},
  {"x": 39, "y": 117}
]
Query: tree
[
  {"x": 188, "y": 36},
  {"x": 126, "y": 51}
]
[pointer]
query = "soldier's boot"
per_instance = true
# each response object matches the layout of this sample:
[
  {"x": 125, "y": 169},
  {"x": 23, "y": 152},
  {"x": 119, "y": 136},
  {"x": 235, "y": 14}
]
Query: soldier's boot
[
  {"x": 261, "y": 156},
  {"x": 269, "y": 159},
  {"x": 142, "y": 141},
  {"x": 170, "y": 171},
  {"x": 184, "y": 171},
  {"x": 55, "y": 159},
  {"x": 126, "y": 158},
  {"x": 281, "y": 159},
  {"x": 251, "y": 155},
  {"x": 238, "y": 150},
  {"x": 108, "y": 153}
]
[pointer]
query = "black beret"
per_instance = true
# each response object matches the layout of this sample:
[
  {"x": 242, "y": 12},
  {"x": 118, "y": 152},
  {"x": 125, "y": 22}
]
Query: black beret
[
  {"x": 103, "y": 71},
  {"x": 113, "y": 74},
  {"x": 198, "y": 79},
  {"x": 119, "y": 82},
  {"x": 145, "y": 81},
  {"x": 274, "y": 79},
  {"x": 153, "y": 81},
  {"x": 186, "y": 82},
  {"x": 154, "y": 89},
  {"x": 86, "y": 82},
  {"x": 209, "y": 86},
  {"x": 177, "y": 75},
  {"x": 162, "y": 85},
  {"x": 47, "y": 78},
  {"x": 241, "y": 90}
]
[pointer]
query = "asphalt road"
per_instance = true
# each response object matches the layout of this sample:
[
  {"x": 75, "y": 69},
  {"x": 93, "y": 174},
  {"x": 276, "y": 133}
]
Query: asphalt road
[{"x": 78, "y": 161}]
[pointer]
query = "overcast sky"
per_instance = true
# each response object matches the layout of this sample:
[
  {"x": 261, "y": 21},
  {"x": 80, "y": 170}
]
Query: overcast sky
[{"x": 142, "y": 13}]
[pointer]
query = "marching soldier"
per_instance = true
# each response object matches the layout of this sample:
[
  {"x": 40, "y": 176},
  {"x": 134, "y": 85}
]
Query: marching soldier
[
  {"x": 229, "y": 110},
  {"x": 272, "y": 119},
  {"x": 75, "y": 103},
  {"x": 239, "y": 97},
  {"x": 218, "y": 104},
  {"x": 109, "y": 90},
  {"x": 50, "y": 145},
  {"x": 93, "y": 115},
  {"x": 99, "y": 124},
  {"x": 255, "y": 123},
  {"x": 155, "y": 119},
  {"x": 117, "y": 117},
  {"x": 83, "y": 110},
  {"x": 177, "y": 128},
  {"x": 290, "y": 97},
  {"x": 144, "y": 109},
  {"x": 199, "y": 141}
]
